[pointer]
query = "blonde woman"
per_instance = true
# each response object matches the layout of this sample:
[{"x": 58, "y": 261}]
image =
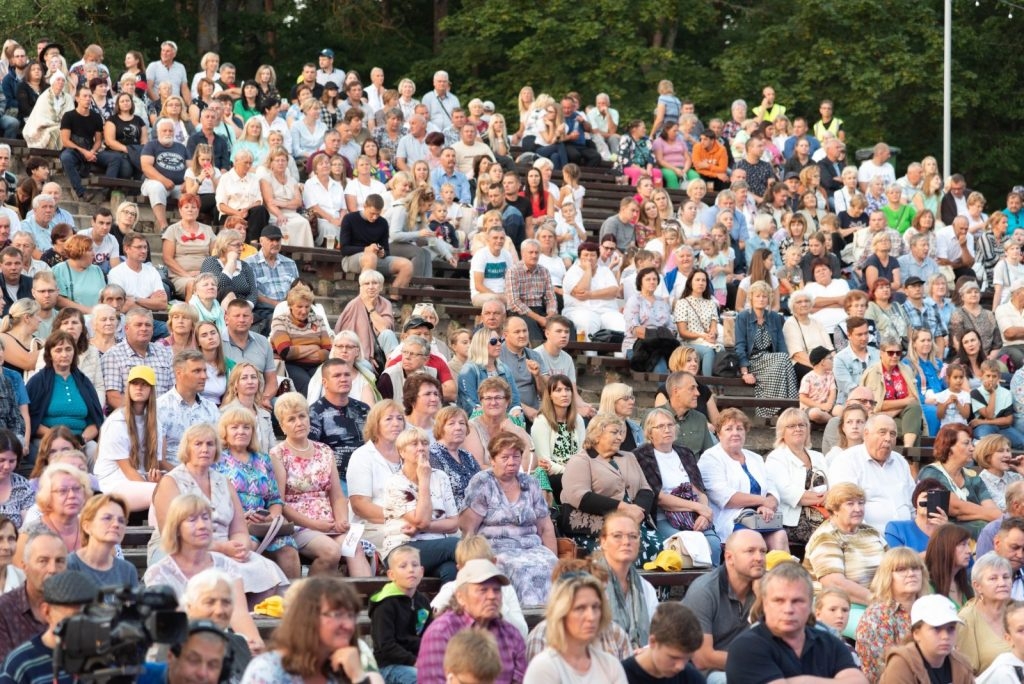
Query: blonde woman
[
  {"x": 245, "y": 390},
  {"x": 235, "y": 278},
  {"x": 17, "y": 329},
  {"x": 174, "y": 109},
  {"x": 181, "y": 323},
  {"x": 283, "y": 198},
  {"x": 204, "y": 304},
  {"x": 617, "y": 400}
]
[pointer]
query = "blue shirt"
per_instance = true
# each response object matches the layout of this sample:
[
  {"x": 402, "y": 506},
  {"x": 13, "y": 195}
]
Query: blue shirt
[
  {"x": 67, "y": 407},
  {"x": 15, "y": 378},
  {"x": 905, "y": 533},
  {"x": 458, "y": 180}
]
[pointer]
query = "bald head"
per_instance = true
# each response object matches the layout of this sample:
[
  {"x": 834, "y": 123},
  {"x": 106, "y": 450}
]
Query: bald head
[{"x": 860, "y": 394}]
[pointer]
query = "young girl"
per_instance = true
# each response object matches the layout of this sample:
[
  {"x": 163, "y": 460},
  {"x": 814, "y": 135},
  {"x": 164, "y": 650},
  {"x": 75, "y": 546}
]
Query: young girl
[
  {"x": 569, "y": 232},
  {"x": 790, "y": 276},
  {"x": 201, "y": 178},
  {"x": 832, "y": 613},
  {"x": 952, "y": 405},
  {"x": 572, "y": 188},
  {"x": 717, "y": 261},
  {"x": 649, "y": 225},
  {"x": 442, "y": 246},
  {"x": 459, "y": 216},
  {"x": 1006, "y": 667},
  {"x": 458, "y": 342}
]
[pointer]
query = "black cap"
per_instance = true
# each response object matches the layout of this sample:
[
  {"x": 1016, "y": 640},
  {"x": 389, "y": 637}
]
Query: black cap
[
  {"x": 331, "y": 85},
  {"x": 271, "y": 232},
  {"x": 417, "y": 322},
  {"x": 791, "y": 174},
  {"x": 912, "y": 280},
  {"x": 49, "y": 46},
  {"x": 818, "y": 354},
  {"x": 70, "y": 588}
]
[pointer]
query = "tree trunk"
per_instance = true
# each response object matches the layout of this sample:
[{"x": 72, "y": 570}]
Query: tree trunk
[
  {"x": 208, "y": 38},
  {"x": 270, "y": 38},
  {"x": 440, "y": 12}
]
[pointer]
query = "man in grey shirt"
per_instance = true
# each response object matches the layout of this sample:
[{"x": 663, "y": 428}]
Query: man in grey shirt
[
  {"x": 721, "y": 600},
  {"x": 622, "y": 225},
  {"x": 557, "y": 334},
  {"x": 528, "y": 368}
]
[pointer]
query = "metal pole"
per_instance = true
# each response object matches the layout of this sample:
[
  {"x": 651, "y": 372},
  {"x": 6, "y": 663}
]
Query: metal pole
[{"x": 947, "y": 88}]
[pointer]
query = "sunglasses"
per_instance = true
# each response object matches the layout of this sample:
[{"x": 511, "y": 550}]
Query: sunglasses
[
  {"x": 892, "y": 352},
  {"x": 495, "y": 341}
]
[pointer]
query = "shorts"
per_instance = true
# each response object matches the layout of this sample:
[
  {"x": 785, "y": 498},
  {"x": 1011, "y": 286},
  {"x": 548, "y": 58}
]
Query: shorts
[{"x": 350, "y": 264}]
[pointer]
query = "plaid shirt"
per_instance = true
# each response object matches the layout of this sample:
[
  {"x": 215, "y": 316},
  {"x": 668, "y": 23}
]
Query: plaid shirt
[
  {"x": 273, "y": 281},
  {"x": 430, "y": 663},
  {"x": 18, "y": 624},
  {"x": 927, "y": 317},
  {"x": 526, "y": 289},
  {"x": 121, "y": 358}
]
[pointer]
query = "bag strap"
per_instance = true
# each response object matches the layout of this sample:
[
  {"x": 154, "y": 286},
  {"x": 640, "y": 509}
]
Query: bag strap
[{"x": 275, "y": 526}]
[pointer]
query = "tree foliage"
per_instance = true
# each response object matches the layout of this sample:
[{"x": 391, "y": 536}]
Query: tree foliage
[{"x": 880, "y": 61}]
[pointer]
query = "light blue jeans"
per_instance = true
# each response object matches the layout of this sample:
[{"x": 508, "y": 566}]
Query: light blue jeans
[{"x": 398, "y": 674}]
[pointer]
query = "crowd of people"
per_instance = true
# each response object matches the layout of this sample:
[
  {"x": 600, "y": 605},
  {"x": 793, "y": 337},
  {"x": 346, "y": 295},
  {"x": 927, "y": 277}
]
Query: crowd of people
[{"x": 469, "y": 454}]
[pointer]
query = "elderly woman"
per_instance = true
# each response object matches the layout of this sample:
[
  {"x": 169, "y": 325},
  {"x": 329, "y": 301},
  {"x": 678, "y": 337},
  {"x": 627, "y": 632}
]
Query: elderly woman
[
  {"x": 197, "y": 453},
  {"x": 245, "y": 390},
  {"x": 590, "y": 290},
  {"x": 572, "y": 639},
  {"x": 889, "y": 316},
  {"x": 129, "y": 461},
  {"x": 881, "y": 264},
  {"x": 310, "y": 486},
  {"x": 916, "y": 532},
  {"x": 894, "y": 388},
  {"x": 238, "y": 194},
  {"x": 371, "y": 317},
  {"x": 42, "y": 126},
  {"x": 738, "y": 480},
  {"x": 803, "y": 333},
  {"x": 799, "y": 473},
  {"x": 251, "y": 473},
  {"x": 234, "y": 277},
  {"x": 415, "y": 351},
  {"x": 507, "y": 506},
  {"x": 79, "y": 280},
  {"x": 15, "y": 491},
  {"x": 978, "y": 640},
  {"x": 63, "y": 490},
  {"x": 348, "y": 347},
  {"x": 844, "y": 553},
  {"x": 209, "y": 595},
  {"x": 647, "y": 315},
  {"x": 970, "y": 504},
  {"x": 317, "y": 639},
  {"x": 484, "y": 362},
  {"x": 300, "y": 339},
  {"x": 900, "y": 580},
  {"x": 937, "y": 289},
  {"x": 761, "y": 348},
  {"x": 604, "y": 479},
  {"x": 419, "y": 508},
  {"x": 495, "y": 399},
  {"x": 186, "y": 244},
  {"x": 189, "y": 548},
  {"x": 855, "y": 304},
  {"x": 970, "y": 315},
  {"x": 324, "y": 198},
  {"x": 451, "y": 425},
  {"x": 671, "y": 471},
  {"x": 282, "y": 197},
  {"x": 60, "y": 394},
  {"x": 103, "y": 522},
  {"x": 372, "y": 464}
]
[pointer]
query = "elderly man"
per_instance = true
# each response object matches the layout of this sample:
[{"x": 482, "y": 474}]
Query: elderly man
[
  {"x": 721, "y": 600},
  {"x": 478, "y": 605},
  {"x": 1010, "y": 318},
  {"x": 166, "y": 69},
  {"x": 416, "y": 339},
  {"x": 591, "y": 292},
  {"x": 23, "y": 241},
  {"x": 441, "y": 101},
  {"x": 912, "y": 183},
  {"x": 183, "y": 405},
  {"x": 41, "y": 221},
  {"x": 492, "y": 315},
  {"x": 955, "y": 248},
  {"x": 274, "y": 272},
  {"x": 22, "y": 615},
  {"x": 163, "y": 164},
  {"x": 16, "y": 284},
  {"x": 877, "y": 165},
  {"x": 137, "y": 349},
  {"x": 738, "y": 114},
  {"x": 782, "y": 647},
  {"x": 239, "y": 194},
  {"x": 412, "y": 146},
  {"x": 81, "y": 139},
  {"x": 691, "y": 425},
  {"x": 917, "y": 262},
  {"x": 882, "y": 473},
  {"x": 528, "y": 290},
  {"x": 604, "y": 124},
  {"x": 527, "y": 366},
  {"x": 64, "y": 595},
  {"x": 831, "y": 167},
  {"x": 207, "y": 135},
  {"x": 1013, "y": 499},
  {"x": 954, "y": 202}
]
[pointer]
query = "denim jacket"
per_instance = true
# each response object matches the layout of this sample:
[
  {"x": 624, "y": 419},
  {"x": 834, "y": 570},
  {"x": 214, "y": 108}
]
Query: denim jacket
[{"x": 746, "y": 329}]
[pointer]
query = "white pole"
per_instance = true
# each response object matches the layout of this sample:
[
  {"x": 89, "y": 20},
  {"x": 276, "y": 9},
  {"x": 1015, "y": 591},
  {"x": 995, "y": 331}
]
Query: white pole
[{"x": 947, "y": 88}]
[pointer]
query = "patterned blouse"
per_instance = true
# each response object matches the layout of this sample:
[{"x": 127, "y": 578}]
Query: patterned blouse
[
  {"x": 882, "y": 625},
  {"x": 21, "y": 499},
  {"x": 856, "y": 556},
  {"x": 895, "y": 383},
  {"x": 460, "y": 471},
  {"x": 698, "y": 313}
]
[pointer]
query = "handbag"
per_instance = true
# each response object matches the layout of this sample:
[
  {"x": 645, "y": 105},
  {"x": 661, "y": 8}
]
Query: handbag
[
  {"x": 608, "y": 336},
  {"x": 726, "y": 364},
  {"x": 379, "y": 359},
  {"x": 683, "y": 520},
  {"x": 269, "y": 531},
  {"x": 749, "y": 518}
]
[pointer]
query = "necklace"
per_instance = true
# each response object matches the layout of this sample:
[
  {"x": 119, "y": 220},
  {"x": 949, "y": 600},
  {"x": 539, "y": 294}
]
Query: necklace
[{"x": 301, "y": 450}]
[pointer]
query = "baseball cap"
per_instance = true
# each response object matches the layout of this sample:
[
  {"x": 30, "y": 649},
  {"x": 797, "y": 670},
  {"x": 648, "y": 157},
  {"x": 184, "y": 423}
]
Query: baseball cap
[
  {"x": 488, "y": 106},
  {"x": 330, "y": 85},
  {"x": 478, "y": 571},
  {"x": 327, "y": 52},
  {"x": 417, "y": 322},
  {"x": 773, "y": 558},
  {"x": 935, "y": 610},
  {"x": 144, "y": 373},
  {"x": 667, "y": 560},
  {"x": 271, "y": 233},
  {"x": 70, "y": 588},
  {"x": 913, "y": 280},
  {"x": 791, "y": 174}
]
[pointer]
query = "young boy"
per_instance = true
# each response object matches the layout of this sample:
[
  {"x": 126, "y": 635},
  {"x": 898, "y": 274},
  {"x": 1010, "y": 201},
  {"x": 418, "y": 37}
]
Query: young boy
[
  {"x": 818, "y": 388},
  {"x": 993, "y": 407},
  {"x": 952, "y": 405},
  {"x": 445, "y": 240},
  {"x": 398, "y": 615},
  {"x": 472, "y": 656},
  {"x": 675, "y": 635}
]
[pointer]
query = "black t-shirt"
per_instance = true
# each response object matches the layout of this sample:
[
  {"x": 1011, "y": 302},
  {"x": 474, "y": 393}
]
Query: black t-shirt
[
  {"x": 128, "y": 132},
  {"x": 522, "y": 204},
  {"x": 637, "y": 675},
  {"x": 317, "y": 90},
  {"x": 943, "y": 674},
  {"x": 757, "y": 656},
  {"x": 83, "y": 127},
  {"x": 357, "y": 233},
  {"x": 846, "y": 221}
]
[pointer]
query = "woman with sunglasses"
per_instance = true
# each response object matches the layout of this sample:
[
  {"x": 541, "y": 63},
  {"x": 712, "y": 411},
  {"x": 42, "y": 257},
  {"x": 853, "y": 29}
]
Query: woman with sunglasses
[{"x": 485, "y": 362}]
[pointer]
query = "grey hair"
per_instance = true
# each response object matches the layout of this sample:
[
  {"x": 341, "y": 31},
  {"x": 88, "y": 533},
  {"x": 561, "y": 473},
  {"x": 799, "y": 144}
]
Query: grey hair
[
  {"x": 531, "y": 242},
  {"x": 23, "y": 234},
  {"x": 352, "y": 337},
  {"x": 5, "y": 148},
  {"x": 441, "y": 74},
  {"x": 990, "y": 561},
  {"x": 417, "y": 340},
  {"x": 918, "y": 239},
  {"x": 914, "y": 165},
  {"x": 738, "y": 103},
  {"x": 113, "y": 289},
  {"x": 654, "y": 413},
  {"x": 243, "y": 153},
  {"x": 889, "y": 341},
  {"x": 35, "y": 534},
  {"x": 200, "y": 584},
  {"x": 138, "y": 312},
  {"x": 41, "y": 199},
  {"x": 163, "y": 120}
]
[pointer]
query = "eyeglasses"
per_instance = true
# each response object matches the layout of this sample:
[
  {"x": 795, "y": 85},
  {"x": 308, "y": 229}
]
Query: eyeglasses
[
  {"x": 65, "y": 492},
  {"x": 413, "y": 355},
  {"x": 495, "y": 341},
  {"x": 664, "y": 426},
  {"x": 490, "y": 399},
  {"x": 345, "y": 346},
  {"x": 628, "y": 397},
  {"x": 796, "y": 426},
  {"x": 339, "y": 614}
]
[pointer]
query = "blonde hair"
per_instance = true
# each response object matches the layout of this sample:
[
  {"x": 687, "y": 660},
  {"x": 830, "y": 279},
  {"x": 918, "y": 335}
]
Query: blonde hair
[
  {"x": 472, "y": 547},
  {"x": 182, "y": 507},
  {"x": 289, "y": 403},
  {"x": 563, "y": 594},
  {"x": 598, "y": 424},
  {"x": 372, "y": 431},
  {"x": 238, "y": 415},
  {"x": 194, "y": 432},
  {"x": 44, "y": 495},
  {"x": 841, "y": 493},
  {"x": 611, "y": 393}
]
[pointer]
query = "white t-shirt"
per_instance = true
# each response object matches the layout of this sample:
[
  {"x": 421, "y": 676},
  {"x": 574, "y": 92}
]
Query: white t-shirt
[
  {"x": 367, "y": 475},
  {"x": 361, "y": 192},
  {"x": 671, "y": 468},
  {"x": 869, "y": 169},
  {"x": 831, "y": 316},
  {"x": 602, "y": 278},
  {"x": 556, "y": 267},
  {"x": 106, "y": 250},
  {"x": 493, "y": 268},
  {"x": 952, "y": 415},
  {"x": 138, "y": 285}
]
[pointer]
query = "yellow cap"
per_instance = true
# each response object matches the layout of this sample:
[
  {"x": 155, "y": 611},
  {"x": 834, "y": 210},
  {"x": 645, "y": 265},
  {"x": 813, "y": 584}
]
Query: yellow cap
[
  {"x": 667, "y": 560},
  {"x": 271, "y": 607},
  {"x": 144, "y": 373},
  {"x": 773, "y": 558}
]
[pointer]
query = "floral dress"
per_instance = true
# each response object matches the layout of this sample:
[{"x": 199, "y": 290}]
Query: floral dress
[
  {"x": 256, "y": 486},
  {"x": 565, "y": 444},
  {"x": 512, "y": 529},
  {"x": 22, "y": 497},
  {"x": 459, "y": 472}
]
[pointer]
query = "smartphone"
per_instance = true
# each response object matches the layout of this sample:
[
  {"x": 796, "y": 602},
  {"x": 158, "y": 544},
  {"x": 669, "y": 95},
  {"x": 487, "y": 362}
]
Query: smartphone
[
  {"x": 938, "y": 498},
  {"x": 262, "y": 511}
]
